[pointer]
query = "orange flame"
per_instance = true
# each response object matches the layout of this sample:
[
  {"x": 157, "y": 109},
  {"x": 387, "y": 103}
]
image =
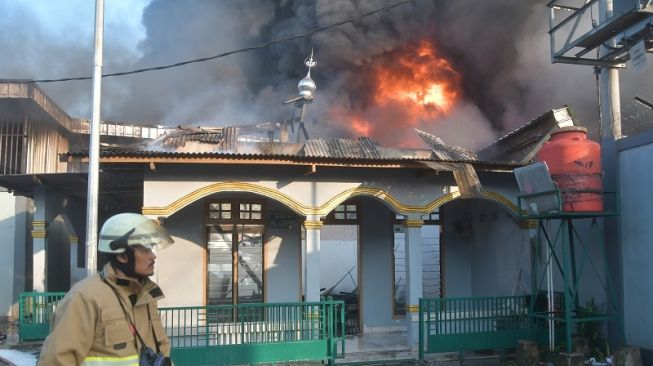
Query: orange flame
[
  {"x": 427, "y": 84},
  {"x": 361, "y": 126},
  {"x": 411, "y": 87}
]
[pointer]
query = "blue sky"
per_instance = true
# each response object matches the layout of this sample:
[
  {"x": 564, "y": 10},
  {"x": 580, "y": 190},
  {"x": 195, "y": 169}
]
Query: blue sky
[
  {"x": 54, "y": 39},
  {"x": 73, "y": 20}
]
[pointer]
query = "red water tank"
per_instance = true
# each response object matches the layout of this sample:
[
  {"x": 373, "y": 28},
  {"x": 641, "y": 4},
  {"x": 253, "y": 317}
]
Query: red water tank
[{"x": 575, "y": 165}]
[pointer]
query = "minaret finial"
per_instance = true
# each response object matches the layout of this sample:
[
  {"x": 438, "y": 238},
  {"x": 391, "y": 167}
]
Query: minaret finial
[
  {"x": 307, "y": 86},
  {"x": 310, "y": 63}
]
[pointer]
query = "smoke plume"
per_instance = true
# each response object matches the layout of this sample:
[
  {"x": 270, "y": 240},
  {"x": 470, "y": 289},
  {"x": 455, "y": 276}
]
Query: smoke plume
[{"x": 499, "y": 49}]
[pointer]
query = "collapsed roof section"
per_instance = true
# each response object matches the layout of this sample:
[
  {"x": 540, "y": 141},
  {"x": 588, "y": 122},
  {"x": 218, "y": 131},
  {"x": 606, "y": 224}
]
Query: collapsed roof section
[
  {"x": 463, "y": 172},
  {"x": 515, "y": 148},
  {"x": 258, "y": 142},
  {"x": 521, "y": 144}
]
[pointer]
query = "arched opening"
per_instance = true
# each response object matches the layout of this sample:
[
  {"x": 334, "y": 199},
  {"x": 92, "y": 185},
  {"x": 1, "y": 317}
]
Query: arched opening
[
  {"x": 61, "y": 265},
  {"x": 233, "y": 248},
  {"x": 358, "y": 261},
  {"x": 340, "y": 259}
]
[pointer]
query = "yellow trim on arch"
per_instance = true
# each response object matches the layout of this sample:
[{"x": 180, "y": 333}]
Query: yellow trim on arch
[
  {"x": 496, "y": 197},
  {"x": 322, "y": 210},
  {"x": 387, "y": 198},
  {"x": 226, "y": 187}
]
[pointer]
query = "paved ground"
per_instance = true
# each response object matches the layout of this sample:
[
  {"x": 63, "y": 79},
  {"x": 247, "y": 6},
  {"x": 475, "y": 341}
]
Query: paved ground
[{"x": 382, "y": 351}]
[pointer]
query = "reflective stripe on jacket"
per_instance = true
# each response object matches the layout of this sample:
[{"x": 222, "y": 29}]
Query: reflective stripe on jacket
[
  {"x": 111, "y": 361},
  {"x": 89, "y": 326}
]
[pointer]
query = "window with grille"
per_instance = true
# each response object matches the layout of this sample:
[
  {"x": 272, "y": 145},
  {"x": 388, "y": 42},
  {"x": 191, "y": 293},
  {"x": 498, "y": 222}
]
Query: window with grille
[
  {"x": 346, "y": 213},
  {"x": 234, "y": 252},
  {"x": 231, "y": 211},
  {"x": 12, "y": 144},
  {"x": 220, "y": 210},
  {"x": 251, "y": 211}
]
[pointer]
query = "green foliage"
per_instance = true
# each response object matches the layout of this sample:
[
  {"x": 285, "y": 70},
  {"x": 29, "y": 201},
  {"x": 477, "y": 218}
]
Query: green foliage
[{"x": 599, "y": 348}]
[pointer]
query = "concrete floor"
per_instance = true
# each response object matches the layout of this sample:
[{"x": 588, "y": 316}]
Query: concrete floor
[
  {"x": 371, "y": 349},
  {"x": 392, "y": 349}
]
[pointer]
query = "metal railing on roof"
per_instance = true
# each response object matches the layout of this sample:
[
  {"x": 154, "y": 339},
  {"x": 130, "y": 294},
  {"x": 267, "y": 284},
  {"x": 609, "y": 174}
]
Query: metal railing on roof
[{"x": 108, "y": 128}]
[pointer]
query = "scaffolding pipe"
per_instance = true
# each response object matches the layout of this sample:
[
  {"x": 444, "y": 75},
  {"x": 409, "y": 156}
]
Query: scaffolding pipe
[
  {"x": 610, "y": 105},
  {"x": 549, "y": 295},
  {"x": 94, "y": 146}
]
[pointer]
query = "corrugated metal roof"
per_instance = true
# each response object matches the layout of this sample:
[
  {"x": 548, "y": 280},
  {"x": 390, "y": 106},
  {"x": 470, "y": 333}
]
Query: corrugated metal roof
[
  {"x": 363, "y": 148},
  {"x": 197, "y": 143},
  {"x": 218, "y": 139},
  {"x": 388, "y": 156},
  {"x": 522, "y": 143},
  {"x": 444, "y": 151}
]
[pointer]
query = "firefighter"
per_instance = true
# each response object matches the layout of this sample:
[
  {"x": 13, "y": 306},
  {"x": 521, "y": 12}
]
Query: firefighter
[{"x": 100, "y": 320}]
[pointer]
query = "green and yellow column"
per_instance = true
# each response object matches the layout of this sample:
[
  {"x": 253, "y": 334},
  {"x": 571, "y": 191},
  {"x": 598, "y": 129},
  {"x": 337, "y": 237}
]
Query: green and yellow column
[
  {"x": 39, "y": 242},
  {"x": 311, "y": 252},
  {"x": 413, "y": 225}
]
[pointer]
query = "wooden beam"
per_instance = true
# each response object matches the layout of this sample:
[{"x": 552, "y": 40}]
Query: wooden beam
[{"x": 311, "y": 170}]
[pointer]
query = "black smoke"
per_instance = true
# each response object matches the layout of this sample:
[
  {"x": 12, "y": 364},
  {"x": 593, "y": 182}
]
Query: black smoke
[{"x": 500, "y": 47}]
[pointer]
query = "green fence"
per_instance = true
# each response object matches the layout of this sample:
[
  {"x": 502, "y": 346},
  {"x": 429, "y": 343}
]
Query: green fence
[
  {"x": 35, "y": 310},
  {"x": 255, "y": 333},
  {"x": 477, "y": 323},
  {"x": 226, "y": 335}
]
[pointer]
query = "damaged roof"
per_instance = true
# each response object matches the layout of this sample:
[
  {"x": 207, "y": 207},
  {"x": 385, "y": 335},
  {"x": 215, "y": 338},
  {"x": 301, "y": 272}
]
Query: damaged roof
[
  {"x": 256, "y": 142},
  {"x": 521, "y": 145},
  {"x": 223, "y": 143},
  {"x": 444, "y": 151}
]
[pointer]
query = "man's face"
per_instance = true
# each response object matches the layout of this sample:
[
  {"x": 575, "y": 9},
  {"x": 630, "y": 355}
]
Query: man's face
[{"x": 144, "y": 259}]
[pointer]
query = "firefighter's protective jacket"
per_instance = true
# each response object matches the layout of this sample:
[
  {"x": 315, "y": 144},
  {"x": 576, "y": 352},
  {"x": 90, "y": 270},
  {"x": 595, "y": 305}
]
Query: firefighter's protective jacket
[{"x": 89, "y": 327}]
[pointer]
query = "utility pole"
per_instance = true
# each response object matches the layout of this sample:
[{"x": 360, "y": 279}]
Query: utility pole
[
  {"x": 609, "y": 93},
  {"x": 94, "y": 146}
]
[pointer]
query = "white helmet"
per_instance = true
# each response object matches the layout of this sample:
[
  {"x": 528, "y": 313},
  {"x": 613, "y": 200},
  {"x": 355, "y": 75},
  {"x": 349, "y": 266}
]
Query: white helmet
[{"x": 128, "y": 229}]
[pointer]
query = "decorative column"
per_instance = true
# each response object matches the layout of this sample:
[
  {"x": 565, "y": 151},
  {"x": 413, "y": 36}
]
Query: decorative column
[
  {"x": 39, "y": 241},
  {"x": 313, "y": 225},
  {"x": 413, "y": 225},
  {"x": 74, "y": 248},
  {"x": 39, "y": 234}
]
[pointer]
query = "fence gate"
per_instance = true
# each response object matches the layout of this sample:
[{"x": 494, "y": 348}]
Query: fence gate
[
  {"x": 226, "y": 334},
  {"x": 255, "y": 333},
  {"x": 477, "y": 323},
  {"x": 35, "y": 311}
]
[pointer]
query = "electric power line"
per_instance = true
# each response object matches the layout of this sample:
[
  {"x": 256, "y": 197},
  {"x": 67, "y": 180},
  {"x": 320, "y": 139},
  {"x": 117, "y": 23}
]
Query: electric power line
[{"x": 228, "y": 53}]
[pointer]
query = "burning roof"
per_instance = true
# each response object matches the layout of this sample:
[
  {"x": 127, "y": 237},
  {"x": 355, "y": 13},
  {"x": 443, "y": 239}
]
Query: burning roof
[
  {"x": 521, "y": 144},
  {"x": 258, "y": 142}
]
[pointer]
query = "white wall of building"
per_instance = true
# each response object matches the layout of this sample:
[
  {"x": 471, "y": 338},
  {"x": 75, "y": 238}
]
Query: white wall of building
[
  {"x": 309, "y": 191},
  {"x": 485, "y": 252},
  {"x": 180, "y": 268},
  {"x": 14, "y": 215},
  {"x": 283, "y": 259}
]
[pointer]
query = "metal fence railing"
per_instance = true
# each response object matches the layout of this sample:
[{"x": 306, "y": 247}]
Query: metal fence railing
[
  {"x": 255, "y": 333},
  {"x": 476, "y": 323},
  {"x": 226, "y": 334},
  {"x": 35, "y": 311}
]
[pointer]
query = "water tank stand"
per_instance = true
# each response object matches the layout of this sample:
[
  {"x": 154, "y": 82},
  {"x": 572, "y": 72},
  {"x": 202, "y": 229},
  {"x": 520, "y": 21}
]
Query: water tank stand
[{"x": 574, "y": 260}]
